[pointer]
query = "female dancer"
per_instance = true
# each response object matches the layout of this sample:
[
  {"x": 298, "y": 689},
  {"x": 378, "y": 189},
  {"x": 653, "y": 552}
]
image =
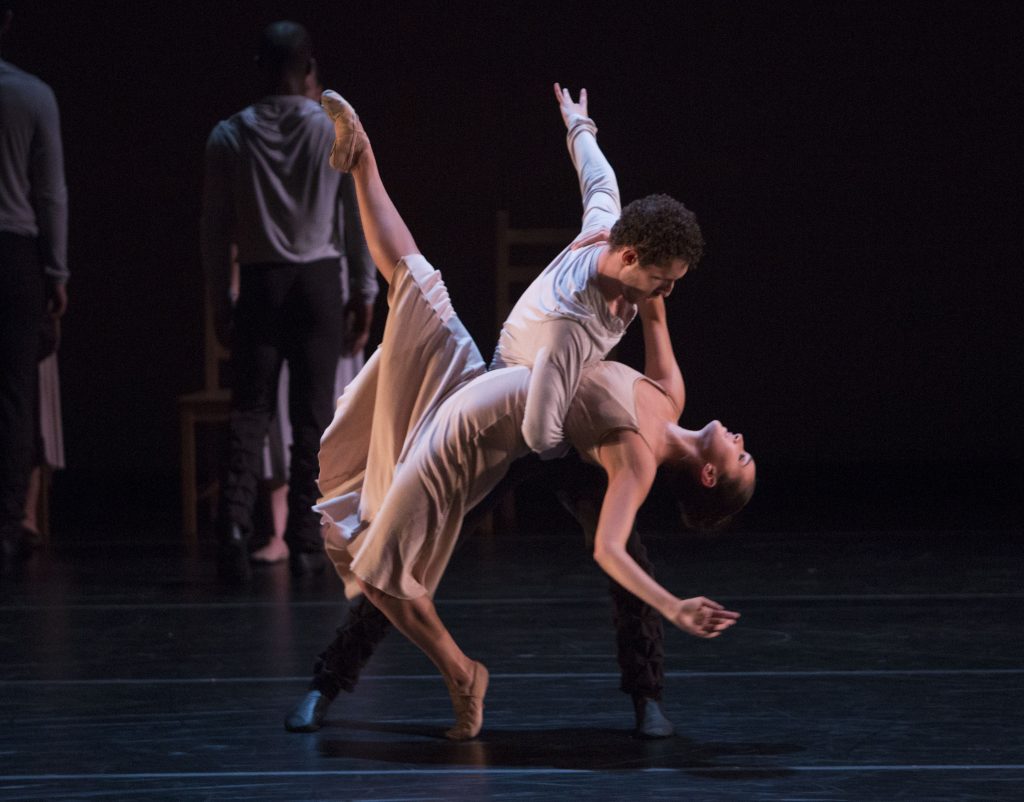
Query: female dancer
[{"x": 424, "y": 432}]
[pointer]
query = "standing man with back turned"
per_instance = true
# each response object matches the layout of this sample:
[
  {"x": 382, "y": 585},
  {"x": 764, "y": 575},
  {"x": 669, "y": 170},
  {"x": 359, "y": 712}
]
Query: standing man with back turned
[
  {"x": 270, "y": 191},
  {"x": 33, "y": 271}
]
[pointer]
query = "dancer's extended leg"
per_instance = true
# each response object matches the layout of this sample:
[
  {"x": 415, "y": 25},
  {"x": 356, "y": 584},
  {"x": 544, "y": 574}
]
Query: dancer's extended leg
[
  {"x": 389, "y": 240},
  {"x": 386, "y": 233}
]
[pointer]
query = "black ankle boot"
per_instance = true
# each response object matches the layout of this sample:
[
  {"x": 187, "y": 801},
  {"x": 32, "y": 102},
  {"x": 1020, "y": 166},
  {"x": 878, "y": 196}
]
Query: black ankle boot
[
  {"x": 233, "y": 557},
  {"x": 308, "y": 714},
  {"x": 650, "y": 721},
  {"x": 302, "y": 563}
]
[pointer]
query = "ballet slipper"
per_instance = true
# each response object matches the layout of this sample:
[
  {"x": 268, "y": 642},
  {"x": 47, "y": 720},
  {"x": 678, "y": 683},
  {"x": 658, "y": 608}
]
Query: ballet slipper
[
  {"x": 469, "y": 705},
  {"x": 350, "y": 138}
]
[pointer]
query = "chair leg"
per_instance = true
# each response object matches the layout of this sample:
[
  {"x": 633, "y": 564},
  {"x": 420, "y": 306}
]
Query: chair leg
[
  {"x": 43, "y": 510},
  {"x": 188, "y": 479}
]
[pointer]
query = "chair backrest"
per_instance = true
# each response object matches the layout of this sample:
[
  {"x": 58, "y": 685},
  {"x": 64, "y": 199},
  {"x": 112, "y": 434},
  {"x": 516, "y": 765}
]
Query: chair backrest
[{"x": 522, "y": 254}]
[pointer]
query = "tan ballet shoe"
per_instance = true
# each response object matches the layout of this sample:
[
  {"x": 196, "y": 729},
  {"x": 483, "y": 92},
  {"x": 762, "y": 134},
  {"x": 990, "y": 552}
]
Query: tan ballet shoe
[
  {"x": 469, "y": 706},
  {"x": 350, "y": 139}
]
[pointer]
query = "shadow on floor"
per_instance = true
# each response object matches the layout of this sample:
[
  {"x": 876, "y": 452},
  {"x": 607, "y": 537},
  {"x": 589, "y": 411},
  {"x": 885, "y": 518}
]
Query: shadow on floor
[{"x": 566, "y": 749}]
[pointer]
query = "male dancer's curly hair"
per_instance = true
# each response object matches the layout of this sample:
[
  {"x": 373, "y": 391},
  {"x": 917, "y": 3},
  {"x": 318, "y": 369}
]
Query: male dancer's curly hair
[{"x": 661, "y": 229}]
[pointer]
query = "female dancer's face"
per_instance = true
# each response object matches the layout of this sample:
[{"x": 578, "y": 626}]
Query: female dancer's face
[{"x": 726, "y": 452}]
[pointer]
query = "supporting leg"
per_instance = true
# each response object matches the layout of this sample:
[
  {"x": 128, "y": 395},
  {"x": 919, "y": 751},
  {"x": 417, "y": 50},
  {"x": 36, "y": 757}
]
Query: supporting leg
[
  {"x": 339, "y": 665},
  {"x": 466, "y": 679},
  {"x": 639, "y": 631}
]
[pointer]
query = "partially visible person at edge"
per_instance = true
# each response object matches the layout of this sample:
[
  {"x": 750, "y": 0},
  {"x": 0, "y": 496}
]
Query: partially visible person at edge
[{"x": 33, "y": 274}]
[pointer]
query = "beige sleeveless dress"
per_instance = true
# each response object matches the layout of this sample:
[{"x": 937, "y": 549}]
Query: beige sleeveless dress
[{"x": 605, "y": 402}]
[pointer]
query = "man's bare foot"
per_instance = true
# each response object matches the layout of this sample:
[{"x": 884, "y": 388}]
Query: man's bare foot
[
  {"x": 350, "y": 139},
  {"x": 275, "y": 551}
]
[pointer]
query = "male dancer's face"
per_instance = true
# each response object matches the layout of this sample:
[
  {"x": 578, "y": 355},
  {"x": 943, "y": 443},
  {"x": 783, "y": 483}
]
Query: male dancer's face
[{"x": 640, "y": 282}]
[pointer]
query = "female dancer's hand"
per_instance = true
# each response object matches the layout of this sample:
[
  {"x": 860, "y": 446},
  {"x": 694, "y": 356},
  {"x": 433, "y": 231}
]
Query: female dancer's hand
[
  {"x": 703, "y": 617},
  {"x": 567, "y": 106}
]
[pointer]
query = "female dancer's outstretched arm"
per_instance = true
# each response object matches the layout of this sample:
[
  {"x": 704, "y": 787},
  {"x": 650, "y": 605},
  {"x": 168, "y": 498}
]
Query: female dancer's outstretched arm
[{"x": 631, "y": 466}]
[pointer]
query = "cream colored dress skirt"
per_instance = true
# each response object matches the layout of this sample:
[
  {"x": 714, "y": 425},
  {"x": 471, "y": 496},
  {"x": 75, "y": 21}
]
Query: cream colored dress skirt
[{"x": 419, "y": 437}]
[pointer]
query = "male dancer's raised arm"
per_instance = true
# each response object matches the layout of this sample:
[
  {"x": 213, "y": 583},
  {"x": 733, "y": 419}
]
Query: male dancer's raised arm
[{"x": 575, "y": 312}]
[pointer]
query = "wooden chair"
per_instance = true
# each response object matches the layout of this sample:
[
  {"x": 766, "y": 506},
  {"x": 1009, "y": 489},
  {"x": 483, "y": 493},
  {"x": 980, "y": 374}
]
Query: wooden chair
[
  {"x": 521, "y": 255},
  {"x": 209, "y": 405}
]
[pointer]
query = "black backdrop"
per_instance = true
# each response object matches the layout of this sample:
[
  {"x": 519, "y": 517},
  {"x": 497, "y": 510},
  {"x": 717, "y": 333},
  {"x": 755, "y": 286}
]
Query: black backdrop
[{"x": 856, "y": 168}]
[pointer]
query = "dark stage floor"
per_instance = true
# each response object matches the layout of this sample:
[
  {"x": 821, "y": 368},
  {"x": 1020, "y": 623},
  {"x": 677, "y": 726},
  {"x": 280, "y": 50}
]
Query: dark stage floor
[{"x": 877, "y": 666}]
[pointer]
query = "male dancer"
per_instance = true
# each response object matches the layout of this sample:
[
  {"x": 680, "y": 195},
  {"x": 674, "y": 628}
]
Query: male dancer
[{"x": 268, "y": 191}]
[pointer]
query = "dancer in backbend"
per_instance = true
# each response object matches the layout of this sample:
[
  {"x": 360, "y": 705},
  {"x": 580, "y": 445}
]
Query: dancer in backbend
[{"x": 424, "y": 432}]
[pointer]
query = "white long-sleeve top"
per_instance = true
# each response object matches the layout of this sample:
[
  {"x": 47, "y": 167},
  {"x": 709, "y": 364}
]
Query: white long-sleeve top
[
  {"x": 562, "y": 323},
  {"x": 269, "y": 190},
  {"x": 33, "y": 195}
]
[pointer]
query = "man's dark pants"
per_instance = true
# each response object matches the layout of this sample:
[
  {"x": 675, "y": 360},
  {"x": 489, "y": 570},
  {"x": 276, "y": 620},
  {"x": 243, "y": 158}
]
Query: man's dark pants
[
  {"x": 22, "y": 309},
  {"x": 284, "y": 312}
]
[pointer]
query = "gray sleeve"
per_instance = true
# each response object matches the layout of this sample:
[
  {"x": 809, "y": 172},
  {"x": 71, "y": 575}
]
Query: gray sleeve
[
  {"x": 49, "y": 192},
  {"x": 554, "y": 377},
  {"x": 362, "y": 272},
  {"x": 216, "y": 222},
  {"x": 598, "y": 186}
]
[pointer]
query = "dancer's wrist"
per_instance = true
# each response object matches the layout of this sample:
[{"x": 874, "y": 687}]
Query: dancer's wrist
[
  {"x": 670, "y": 609},
  {"x": 576, "y": 120}
]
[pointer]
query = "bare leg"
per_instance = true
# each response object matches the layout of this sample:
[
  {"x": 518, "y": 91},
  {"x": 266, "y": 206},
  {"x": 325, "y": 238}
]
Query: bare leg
[
  {"x": 276, "y": 550},
  {"x": 386, "y": 233},
  {"x": 418, "y": 620},
  {"x": 31, "y": 520}
]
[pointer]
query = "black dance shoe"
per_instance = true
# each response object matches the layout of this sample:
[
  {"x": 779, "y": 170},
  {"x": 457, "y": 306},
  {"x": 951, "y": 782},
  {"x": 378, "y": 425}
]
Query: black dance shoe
[
  {"x": 303, "y": 563},
  {"x": 308, "y": 714},
  {"x": 15, "y": 548},
  {"x": 650, "y": 721},
  {"x": 233, "y": 557}
]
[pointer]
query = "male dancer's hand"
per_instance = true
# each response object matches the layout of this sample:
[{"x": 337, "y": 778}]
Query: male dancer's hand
[
  {"x": 567, "y": 106},
  {"x": 357, "y": 315},
  {"x": 600, "y": 235},
  {"x": 57, "y": 299},
  {"x": 703, "y": 617}
]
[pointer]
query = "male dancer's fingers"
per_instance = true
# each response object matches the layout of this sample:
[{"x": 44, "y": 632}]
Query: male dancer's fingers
[
  {"x": 601, "y": 235},
  {"x": 583, "y": 101}
]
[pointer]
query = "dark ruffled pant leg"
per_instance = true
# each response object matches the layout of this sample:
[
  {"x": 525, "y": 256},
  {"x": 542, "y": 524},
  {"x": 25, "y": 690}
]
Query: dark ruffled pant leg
[
  {"x": 338, "y": 667},
  {"x": 639, "y": 633}
]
